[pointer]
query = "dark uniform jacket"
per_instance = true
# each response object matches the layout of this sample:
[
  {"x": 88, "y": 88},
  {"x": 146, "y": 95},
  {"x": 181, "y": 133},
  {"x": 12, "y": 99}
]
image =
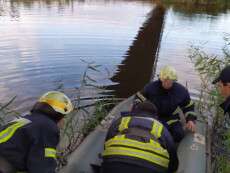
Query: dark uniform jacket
[
  {"x": 29, "y": 143},
  {"x": 167, "y": 101},
  {"x": 226, "y": 106},
  {"x": 134, "y": 132}
]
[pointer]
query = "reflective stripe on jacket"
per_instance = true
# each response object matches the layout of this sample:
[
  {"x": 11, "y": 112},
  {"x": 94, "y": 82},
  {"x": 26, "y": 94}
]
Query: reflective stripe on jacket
[
  {"x": 128, "y": 142},
  {"x": 8, "y": 132},
  {"x": 168, "y": 102},
  {"x": 29, "y": 143}
]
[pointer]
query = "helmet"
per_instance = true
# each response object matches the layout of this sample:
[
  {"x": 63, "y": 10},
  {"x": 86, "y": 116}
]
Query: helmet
[
  {"x": 58, "y": 101},
  {"x": 168, "y": 72}
]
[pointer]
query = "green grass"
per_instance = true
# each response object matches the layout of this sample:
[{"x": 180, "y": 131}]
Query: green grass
[
  {"x": 102, "y": 109},
  {"x": 83, "y": 119},
  {"x": 208, "y": 66}
]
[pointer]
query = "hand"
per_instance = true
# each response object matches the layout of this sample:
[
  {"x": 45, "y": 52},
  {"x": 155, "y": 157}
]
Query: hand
[{"x": 190, "y": 125}]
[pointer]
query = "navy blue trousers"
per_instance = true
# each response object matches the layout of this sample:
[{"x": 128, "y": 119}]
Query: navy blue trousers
[
  {"x": 118, "y": 167},
  {"x": 177, "y": 131}
]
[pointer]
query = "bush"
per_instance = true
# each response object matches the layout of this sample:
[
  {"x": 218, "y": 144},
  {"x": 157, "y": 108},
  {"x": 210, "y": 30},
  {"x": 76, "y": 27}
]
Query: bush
[{"x": 208, "y": 67}]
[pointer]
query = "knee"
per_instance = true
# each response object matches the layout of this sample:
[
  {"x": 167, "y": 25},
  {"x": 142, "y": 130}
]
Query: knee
[
  {"x": 177, "y": 132},
  {"x": 178, "y": 135}
]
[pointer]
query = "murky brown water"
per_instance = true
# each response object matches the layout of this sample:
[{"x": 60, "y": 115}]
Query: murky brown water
[{"x": 42, "y": 43}]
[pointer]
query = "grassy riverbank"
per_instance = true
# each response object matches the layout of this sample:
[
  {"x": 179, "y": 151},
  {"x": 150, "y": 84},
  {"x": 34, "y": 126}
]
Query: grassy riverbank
[{"x": 208, "y": 66}]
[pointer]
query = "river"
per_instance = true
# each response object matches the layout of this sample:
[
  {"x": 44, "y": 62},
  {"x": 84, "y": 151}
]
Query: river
[{"x": 43, "y": 43}]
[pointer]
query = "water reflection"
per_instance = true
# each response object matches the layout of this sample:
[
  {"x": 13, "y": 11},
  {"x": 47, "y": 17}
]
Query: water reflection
[
  {"x": 137, "y": 67},
  {"x": 42, "y": 48},
  {"x": 194, "y": 25},
  {"x": 9, "y": 9},
  {"x": 31, "y": 3},
  {"x": 191, "y": 10},
  {"x": 11, "y": 6}
]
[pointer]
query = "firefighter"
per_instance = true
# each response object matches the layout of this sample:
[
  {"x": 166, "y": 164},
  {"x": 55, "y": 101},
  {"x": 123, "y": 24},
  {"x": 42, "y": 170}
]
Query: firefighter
[
  {"x": 29, "y": 143},
  {"x": 137, "y": 142},
  {"x": 223, "y": 81},
  {"x": 170, "y": 97}
]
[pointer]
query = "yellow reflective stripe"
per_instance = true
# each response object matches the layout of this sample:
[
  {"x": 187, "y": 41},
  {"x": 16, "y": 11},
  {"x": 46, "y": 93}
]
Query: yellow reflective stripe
[
  {"x": 160, "y": 130},
  {"x": 177, "y": 111},
  {"x": 140, "y": 96},
  {"x": 171, "y": 122},
  {"x": 7, "y": 133},
  {"x": 124, "y": 123},
  {"x": 54, "y": 103},
  {"x": 50, "y": 152},
  {"x": 152, "y": 146},
  {"x": 122, "y": 151},
  {"x": 190, "y": 104},
  {"x": 157, "y": 129},
  {"x": 190, "y": 112}
]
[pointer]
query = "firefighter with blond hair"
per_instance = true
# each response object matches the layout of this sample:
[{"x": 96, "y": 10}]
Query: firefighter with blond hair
[{"x": 170, "y": 97}]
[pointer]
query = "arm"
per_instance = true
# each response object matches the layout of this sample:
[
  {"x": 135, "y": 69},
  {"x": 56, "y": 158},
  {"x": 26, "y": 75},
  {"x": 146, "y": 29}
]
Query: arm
[
  {"x": 187, "y": 106},
  {"x": 139, "y": 97},
  {"x": 42, "y": 152},
  {"x": 143, "y": 94},
  {"x": 169, "y": 145}
]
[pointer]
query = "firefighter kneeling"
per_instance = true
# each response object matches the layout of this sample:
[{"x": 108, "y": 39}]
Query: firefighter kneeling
[
  {"x": 29, "y": 143},
  {"x": 138, "y": 142}
]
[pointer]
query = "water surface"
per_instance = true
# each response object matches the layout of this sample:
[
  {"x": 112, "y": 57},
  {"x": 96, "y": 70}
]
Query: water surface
[{"x": 43, "y": 42}]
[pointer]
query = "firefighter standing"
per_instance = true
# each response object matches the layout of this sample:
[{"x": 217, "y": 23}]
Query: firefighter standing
[
  {"x": 29, "y": 143},
  {"x": 138, "y": 142},
  {"x": 168, "y": 96}
]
